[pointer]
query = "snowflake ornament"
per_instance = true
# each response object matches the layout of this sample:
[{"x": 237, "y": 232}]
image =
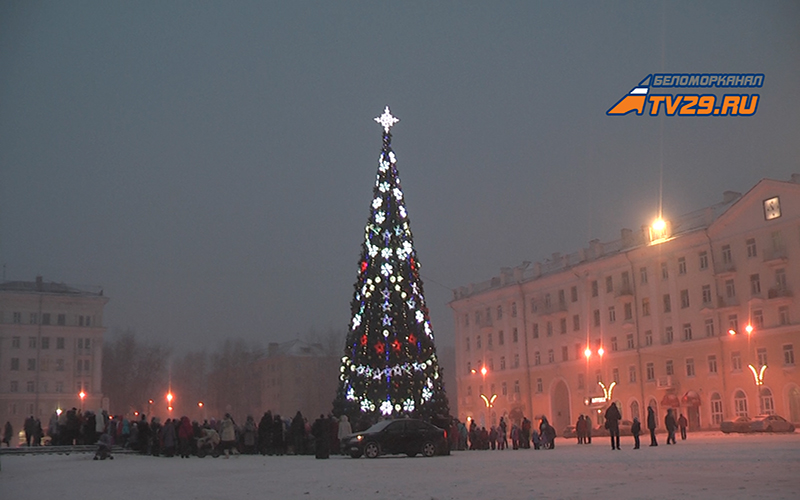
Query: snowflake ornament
[{"x": 387, "y": 121}]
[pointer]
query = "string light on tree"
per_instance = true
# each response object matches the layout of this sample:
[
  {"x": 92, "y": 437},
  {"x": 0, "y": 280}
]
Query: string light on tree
[{"x": 390, "y": 364}]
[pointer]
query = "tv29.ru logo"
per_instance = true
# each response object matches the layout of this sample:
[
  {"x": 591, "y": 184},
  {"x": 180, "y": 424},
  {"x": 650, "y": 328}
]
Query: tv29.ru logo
[{"x": 704, "y": 105}]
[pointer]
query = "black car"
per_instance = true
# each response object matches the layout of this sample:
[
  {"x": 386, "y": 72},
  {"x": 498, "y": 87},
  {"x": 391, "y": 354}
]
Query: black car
[{"x": 407, "y": 435}]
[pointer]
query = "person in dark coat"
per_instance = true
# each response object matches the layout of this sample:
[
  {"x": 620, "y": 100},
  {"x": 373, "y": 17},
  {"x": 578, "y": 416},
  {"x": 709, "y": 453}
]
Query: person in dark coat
[
  {"x": 671, "y": 425},
  {"x": 30, "y": 429},
  {"x": 612, "y": 423},
  {"x": 580, "y": 429},
  {"x": 265, "y": 434},
  {"x": 682, "y": 423},
  {"x": 144, "y": 435},
  {"x": 636, "y": 429},
  {"x": 298, "y": 432},
  {"x": 321, "y": 430},
  {"x": 278, "y": 438},
  {"x": 8, "y": 432},
  {"x": 651, "y": 425},
  {"x": 169, "y": 437}
]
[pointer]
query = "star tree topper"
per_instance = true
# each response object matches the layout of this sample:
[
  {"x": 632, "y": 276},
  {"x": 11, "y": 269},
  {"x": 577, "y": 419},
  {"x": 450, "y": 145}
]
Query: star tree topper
[{"x": 386, "y": 120}]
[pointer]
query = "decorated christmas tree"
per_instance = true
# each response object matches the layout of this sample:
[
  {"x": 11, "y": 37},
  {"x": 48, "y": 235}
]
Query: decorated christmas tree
[{"x": 389, "y": 367}]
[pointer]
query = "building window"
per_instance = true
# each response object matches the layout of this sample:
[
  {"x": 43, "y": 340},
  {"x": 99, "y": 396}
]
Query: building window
[
  {"x": 46, "y": 318},
  {"x": 489, "y": 341},
  {"x": 551, "y": 356},
  {"x": 668, "y": 335},
  {"x": 59, "y": 342},
  {"x": 709, "y": 327},
  {"x": 687, "y": 331},
  {"x": 581, "y": 381},
  {"x": 13, "y": 386},
  {"x": 17, "y": 317},
  {"x": 469, "y": 367},
  {"x": 733, "y": 323},
  {"x": 596, "y": 314},
  {"x": 576, "y": 322},
  {"x": 682, "y": 265},
  {"x": 670, "y": 369},
  {"x": 761, "y": 352},
  {"x": 726, "y": 254},
  {"x": 501, "y": 339},
  {"x": 684, "y": 299},
  {"x": 499, "y": 312},
  {"x": 632, "y": 374},
  {"x": 758, "y": 318},
  {"x": 515, "y": 336},
  {"x": 504, "y": 389},
  {"x": 573, "y": 292},
  {"x": 751, "y": 247},
  {"x": 730, "y": 289},
  {"x": 612, "y": 314},
  {"x": 716, "y": 409},
  {"x": 491, "y": 364},
  {"x": 60, "y": 365},
  {"x": 62, "y": 319},
  {"x": 537, "y": 358},
  {"x": 15, "y": 342},
  {"x": 45, "y": 342},
  {"x": 549, "y": 328},
  {"x": 513, "y": 309},
  {"x": 594, "y": 288},
  {"x": 466, "y": 320},
  {"x": 466, "y": 343},
  {"x": 783, "y": 315},
  {"x": 613, "y": 344},
  {"x": 706, "y": 294},
  {"x": 667, "y": 303},
  {"x": 477, "y": 341},
  {"x": 609, "y": 284},
  {"x": 648, "y": 337},
  {"x": 626, "y": 281},
  {"x": 30, "y": 386},
  {"x": 712, "y": 364},
  {"x": 539, "y": 386},
  {"x": 755, "y": 284},
  {"x": 516, "y": 361},
  {"x": 780, "y": 279},
  {"x": 564, "y": 353},
  {"x": 536, "y": 330},
  {"x": 31, "y": 364},
  {"x": 703, "y": 260},
  {"x": 650, "y": 370},
  {"x": 629, "y": 339},
  {"x": 547, "y": 302},
  {"x": 562, "y": 299},
  {"x": 690, "y": 367},
  {"x": 628, "y": 310},
  {"x": 643, "y": 275},
  {"x": 740, "y": 403},
  {"x": 563, "y": 324},
  {"x": 645, "y": 307},
  {"x": 767, "y": 403},
  {"x": 502, "y": 362},
  {"x": 615, "y": 375},
  {"x": 736, "y": 361},
  {"x": 788, "y": 355},
  {"x": 15, "y": 364},
  {"x": 516, "y": 387},
  {"x": 664, "y": 271},
  {"x": 477, "y": 317}
]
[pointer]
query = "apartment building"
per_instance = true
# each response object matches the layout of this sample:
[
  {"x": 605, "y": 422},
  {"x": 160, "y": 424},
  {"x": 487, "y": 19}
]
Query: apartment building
[
  {"x": 51, "y": 348},
  {"x": 695, "y": 312}
]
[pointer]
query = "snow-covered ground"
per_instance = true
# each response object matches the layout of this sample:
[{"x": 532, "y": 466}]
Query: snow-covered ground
[{"x": 707, "y": 465}]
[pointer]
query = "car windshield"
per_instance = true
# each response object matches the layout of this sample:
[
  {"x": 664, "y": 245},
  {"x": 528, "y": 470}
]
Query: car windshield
[{"x": 379, "y": 426}]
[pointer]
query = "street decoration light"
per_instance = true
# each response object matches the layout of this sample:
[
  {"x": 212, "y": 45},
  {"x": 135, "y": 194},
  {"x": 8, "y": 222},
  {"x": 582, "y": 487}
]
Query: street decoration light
[
  {"x": 758, "y": 375},
  {"x": 489, "y": 401},
  {"x": 607, "y": 391}
]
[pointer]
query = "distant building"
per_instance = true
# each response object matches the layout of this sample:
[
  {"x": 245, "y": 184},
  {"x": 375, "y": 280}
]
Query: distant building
[
  {"x": 51, "y": 349},
  {"x": 698, "y": 314},
  {"x": 296, "y": 376}
]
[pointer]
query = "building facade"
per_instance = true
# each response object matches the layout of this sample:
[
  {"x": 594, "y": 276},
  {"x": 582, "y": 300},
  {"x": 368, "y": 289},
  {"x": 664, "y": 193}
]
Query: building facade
[
  {"x": 51, "y": 348},
  {"x": 298, "y": 376},
  {"x": 696, "y": 313}
]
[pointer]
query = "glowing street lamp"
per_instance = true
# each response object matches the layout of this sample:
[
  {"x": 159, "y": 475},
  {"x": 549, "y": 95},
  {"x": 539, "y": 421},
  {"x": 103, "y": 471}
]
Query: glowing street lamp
[
  {"x": 731, "y": 332},
  {"x": 199, "y": 404},
  {"x": 82, "y": 395},
  {"x": 749, "y": 329},
  {"x": 483, "y": 371},
  {"x": 587, "y": 353},
  {"x": 601, "y": 351}
]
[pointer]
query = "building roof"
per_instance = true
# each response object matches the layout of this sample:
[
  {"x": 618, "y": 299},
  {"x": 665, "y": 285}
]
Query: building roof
[
  {"x": 50, "y": 287},
  {"x": 678, "y": 226},
  {"x": 295, "y": 348}
]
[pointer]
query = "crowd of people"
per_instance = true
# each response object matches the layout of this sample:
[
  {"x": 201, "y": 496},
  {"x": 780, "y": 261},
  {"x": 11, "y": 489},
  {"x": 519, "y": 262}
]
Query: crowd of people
[{"x": 502, "y": 436}]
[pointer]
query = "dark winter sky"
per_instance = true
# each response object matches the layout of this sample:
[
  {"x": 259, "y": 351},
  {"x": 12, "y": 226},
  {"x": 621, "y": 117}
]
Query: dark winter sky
[{"x": 210, "y": 164}]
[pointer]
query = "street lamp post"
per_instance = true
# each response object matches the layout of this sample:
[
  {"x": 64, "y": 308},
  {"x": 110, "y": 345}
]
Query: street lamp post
[{"x": 82, "y": 395}]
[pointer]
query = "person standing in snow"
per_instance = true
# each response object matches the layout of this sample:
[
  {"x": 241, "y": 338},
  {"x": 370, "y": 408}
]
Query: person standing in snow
[
  {"x": 228, "y": 435},
  {"x": 250, "y": 435},
  {"x": 682, "y": 423},
  {"x": 651, "y": 425},
  {"x": 344, "y": 430},
  {"x": 671, "y": 425},
  {"x": 265, "y": 434},
  {"x": 636, "y": 429},
  {"x": 612, "y": 424},
  {"x": 580, "y": 429},
  {"x": 8, "y": 431},
  {"x": 321, "y": 430}
]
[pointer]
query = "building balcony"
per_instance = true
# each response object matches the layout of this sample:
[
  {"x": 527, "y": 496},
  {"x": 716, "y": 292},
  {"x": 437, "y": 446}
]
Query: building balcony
[
  {"x": 780, "y": 294},
  {"x": 775, "y": 257},
  {"x": 727, "y": 302},
  {"x": 724, "y": 268},
  {"x": 664, "y": 382},
  {"x": 624, "y": 291}
]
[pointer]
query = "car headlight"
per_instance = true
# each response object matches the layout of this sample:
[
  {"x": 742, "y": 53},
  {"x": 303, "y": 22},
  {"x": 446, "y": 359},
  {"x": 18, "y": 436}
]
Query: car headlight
[{"x": 359, "y": 438}]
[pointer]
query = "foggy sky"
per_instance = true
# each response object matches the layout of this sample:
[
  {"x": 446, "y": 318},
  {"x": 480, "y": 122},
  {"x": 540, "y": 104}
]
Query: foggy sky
[{"x": 210, "y": 164}]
